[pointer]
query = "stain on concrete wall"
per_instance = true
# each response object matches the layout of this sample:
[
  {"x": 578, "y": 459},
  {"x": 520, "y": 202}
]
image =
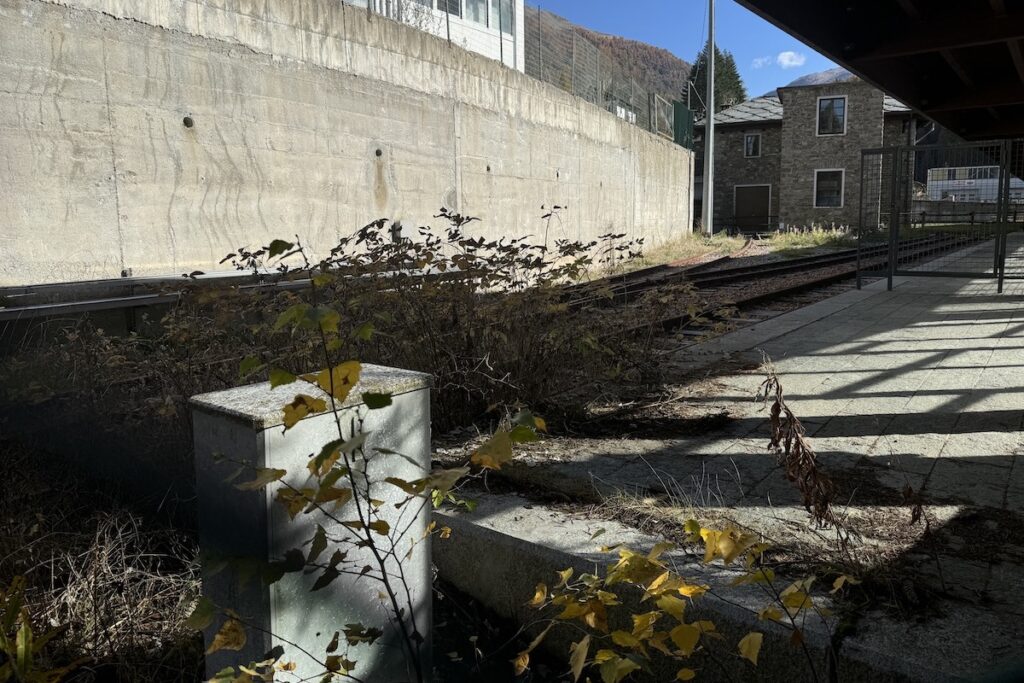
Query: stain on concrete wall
[{"x": 289, "y": 102}]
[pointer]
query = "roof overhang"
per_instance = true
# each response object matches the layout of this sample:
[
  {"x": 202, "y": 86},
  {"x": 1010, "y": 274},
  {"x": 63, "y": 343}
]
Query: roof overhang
[{"x": 960, "y": 63}]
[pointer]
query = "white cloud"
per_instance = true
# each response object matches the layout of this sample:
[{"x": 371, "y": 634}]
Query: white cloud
[
  {"x": 761, "y": 62},
  {"x": 790, "y": 59}
]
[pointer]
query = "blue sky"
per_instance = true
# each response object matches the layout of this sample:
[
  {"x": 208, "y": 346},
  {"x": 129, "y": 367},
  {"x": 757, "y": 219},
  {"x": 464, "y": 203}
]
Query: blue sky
[{"x": 767, "y": 58}]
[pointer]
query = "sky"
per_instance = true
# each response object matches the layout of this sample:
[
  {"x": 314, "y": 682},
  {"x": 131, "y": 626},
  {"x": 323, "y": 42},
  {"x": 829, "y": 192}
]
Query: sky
[{"x": 766, "y": 57}]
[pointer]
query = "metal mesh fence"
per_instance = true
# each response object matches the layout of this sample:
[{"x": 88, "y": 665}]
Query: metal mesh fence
[
  {"x": 942, "y": 210},
  {"x": 553, "y": 52},
  {"x": 557, "y": 54}
]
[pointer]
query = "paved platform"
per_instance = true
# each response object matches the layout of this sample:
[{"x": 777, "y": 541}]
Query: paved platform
[{"x": 921, "y": 386}]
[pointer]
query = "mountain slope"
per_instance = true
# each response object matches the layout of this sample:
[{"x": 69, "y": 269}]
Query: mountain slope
[
  {"x": 653, "y": 68},
  {"x": 836, "y": 75}
]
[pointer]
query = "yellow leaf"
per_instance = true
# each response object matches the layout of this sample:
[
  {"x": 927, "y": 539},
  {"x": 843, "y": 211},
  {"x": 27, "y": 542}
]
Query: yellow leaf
[
  {"x": 380, "y": 526},
  {"x": 616, "y": 668},
  {"x": 539, "y": 424},
  {"x": 643, "y": 624},
  {"x": 750, "y": 646},
  {"x": 339, "y": 664},
  {"x": 521, "y": 663},
  {"x": 685, "y": 637},
  {"x": 842, "y": 581},
  {"x": 625, "y": 639},
  {"x": 796, "y": 600},
  {"x": 727, "y": 548},
  {"x": 769, "y": 613},
  {"x": 302, "y": 406},
  {"x": 340, "y": 379},
  {"x": 705, "y": 626},
  {"x": 564, "y": 577},
  {"x": 693, "y": 590},
  {"x": 596, "y": 616},
  {"x": 539, "y": 596},
  {"x": 578, "y": 657},
  {"x": 319, "y": 469},
  {"x": 445, "y": 533},
  {"x": 659, "y": 549},
  {"x": 295, "y": 501},
  {"x": 663, "y": 584},
  {"x": 686, "y": 675},
  {"x": 231, "y": 636},
  {"x": 573, "y": 610},
  {"x": 496, "y": 452},
  {"x": 670, "y": 604},
  {"x": 328, "y": 494},
  {"x": 710, "y": 537},
  {"x": 759, "y": 575},
  {"x": 264, "y": 476},
  {"x": 692, "y": 529}
]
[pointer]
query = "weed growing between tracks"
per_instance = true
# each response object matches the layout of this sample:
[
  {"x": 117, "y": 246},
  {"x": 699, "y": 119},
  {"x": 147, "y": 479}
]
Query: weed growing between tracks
[{"x": 792, "y": 242}]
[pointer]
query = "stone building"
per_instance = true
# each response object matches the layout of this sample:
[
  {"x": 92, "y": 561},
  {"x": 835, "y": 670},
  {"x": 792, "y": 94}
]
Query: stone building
[{"x": 792, "y": 159}]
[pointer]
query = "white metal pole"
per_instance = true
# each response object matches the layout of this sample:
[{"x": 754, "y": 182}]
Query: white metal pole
[{"x": 707, "y": 205}]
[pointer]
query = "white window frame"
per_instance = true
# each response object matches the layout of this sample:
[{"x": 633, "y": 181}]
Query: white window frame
[
  {"x": 817, "y": 115},
  {"x": 842, "y": 187},
  {"x": 768, "y": 185},
  {"x": 751, "y": 156}
]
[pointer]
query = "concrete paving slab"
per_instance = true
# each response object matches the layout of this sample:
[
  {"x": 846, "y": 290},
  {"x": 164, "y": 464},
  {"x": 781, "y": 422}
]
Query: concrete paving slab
[
  {"x": 921, "y": 387},
  {"x": 500, "y": 551}
]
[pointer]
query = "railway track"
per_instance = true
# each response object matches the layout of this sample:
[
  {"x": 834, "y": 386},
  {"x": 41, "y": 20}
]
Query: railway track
[
  {"x": 624, "y": 288},
  {"x": 710, "y": 276},
  {"x": 743, "y": 288}
]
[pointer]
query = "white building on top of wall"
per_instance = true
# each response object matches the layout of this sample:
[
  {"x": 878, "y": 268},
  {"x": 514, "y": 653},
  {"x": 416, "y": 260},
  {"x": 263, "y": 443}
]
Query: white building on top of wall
[{"x": 471, "y": 24}]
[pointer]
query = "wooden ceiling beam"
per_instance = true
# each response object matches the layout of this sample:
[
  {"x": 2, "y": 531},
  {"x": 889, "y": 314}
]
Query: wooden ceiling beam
[
  {"x": 957, "y": 68},
  {"x": 981, "y": 98},
  {"x": 909, "y": 8},
  {"x": 955, "y": 33},
  {"x": 1017, "y": 54}
]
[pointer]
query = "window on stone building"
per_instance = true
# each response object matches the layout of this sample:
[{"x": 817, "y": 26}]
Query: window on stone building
[
  {"x": 832, "y": 115},
  {"x": 752, "y": 145},
  {"x": 828, "y": 188},
  {"x": 476, "y": 11}
]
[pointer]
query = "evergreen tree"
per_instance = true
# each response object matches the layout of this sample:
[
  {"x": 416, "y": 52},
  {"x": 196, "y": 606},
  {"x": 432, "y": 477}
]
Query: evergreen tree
[{"x": 729, "y": 88}]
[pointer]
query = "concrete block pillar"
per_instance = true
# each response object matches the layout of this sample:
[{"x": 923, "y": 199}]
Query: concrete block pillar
[{"x": 249, "y": 528}]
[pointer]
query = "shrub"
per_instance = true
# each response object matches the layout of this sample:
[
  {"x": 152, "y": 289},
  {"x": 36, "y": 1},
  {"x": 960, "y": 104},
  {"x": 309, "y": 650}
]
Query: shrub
[{"x": 491, "y": 320}]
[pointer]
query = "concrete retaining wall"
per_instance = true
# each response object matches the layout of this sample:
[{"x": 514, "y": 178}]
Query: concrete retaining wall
[{"x": 310, "y": 117}]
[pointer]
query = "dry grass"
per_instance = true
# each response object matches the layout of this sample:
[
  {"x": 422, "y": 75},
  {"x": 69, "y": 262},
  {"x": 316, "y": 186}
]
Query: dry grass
[
  {"x": 692, "y": 246},
  {"x": 120, "y": 586},
  {"x": 792, "y": 241}
]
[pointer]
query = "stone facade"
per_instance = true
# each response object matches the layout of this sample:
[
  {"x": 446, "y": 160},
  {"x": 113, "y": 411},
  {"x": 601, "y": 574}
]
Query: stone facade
[
  {"x": 804, "y": 151},
  {"x": 792, "y": 152},
  {"x": 732, "y": 168}
]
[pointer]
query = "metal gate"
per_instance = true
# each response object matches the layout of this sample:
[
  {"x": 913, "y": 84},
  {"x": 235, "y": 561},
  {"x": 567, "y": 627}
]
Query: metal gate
[{"x": 942, "y": 210}]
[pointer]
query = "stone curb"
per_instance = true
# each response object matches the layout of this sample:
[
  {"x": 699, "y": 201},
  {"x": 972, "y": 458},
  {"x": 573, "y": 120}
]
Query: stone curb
[{"x": 498, "y": 553}]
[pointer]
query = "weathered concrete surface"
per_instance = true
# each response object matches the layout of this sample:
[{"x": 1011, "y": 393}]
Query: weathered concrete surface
[
  {"x": 922, "y": 386},
  {"x": 241, "y": 426},
  {"x": 310, "y": 117},
  {"x": 499, "y": 552}
]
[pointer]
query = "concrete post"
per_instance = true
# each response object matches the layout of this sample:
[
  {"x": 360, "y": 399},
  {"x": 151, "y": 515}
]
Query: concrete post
[{"x": 248, "y": 528}]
